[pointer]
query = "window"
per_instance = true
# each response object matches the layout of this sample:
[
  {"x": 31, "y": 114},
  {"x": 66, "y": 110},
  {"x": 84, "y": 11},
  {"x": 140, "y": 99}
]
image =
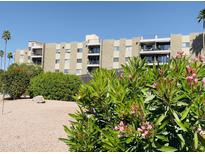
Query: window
[
  {"x": 67, "y": 50},
  {"x": 163, "y": 58},
  {"x": 57, "y": 61},
  {"x": 67, "y": 61},
  {"x": 29, "y": 48},
  {"x": 66, "y": 71},
  {"x": 116, "y": 48},
  {"x": 79, "y": 60},
  {"x": 80, "y": 50},
  {"x": 58, "y": 51},
  {"x": 128, "y": 48},
  {"x": 57, "y": 70},
  {"x": 78, "y": 71},
  {"x": 115, "y": 59},
  {"x": 127, "y": 59},
  {"x": 29, "y": 57},
  {"x": 185, "y": 45}
]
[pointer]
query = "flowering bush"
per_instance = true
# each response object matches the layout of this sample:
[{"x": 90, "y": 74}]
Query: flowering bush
[{"x": 159, "y": 108}]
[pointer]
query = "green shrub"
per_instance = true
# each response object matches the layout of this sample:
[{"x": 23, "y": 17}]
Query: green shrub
[
  {"x": 145, "y": 109},
  {"x": 16, "y": 79},
  {"x": 57, "y": 86}
]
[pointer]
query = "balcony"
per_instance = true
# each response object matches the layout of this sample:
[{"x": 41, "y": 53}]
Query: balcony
[
  {"x": 155, "y": 48},
  {"x": 94, "y": 51},
  {"x": 156, "y": 59},
  {"x": 93, "y": 63},
  {"x": 37, "y": 61},
  {"x": 36, "y": 52}
]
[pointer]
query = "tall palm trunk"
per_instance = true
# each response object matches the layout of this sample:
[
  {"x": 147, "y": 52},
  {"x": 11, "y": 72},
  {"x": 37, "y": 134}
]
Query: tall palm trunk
[
  {"x": 5, "y": 55},
  {"x": 4, "y": 72}
]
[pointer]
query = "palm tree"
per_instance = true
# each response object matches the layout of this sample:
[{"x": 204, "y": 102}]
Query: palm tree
[
  {"x": 6, "y": 36},
  {"x": 201, "y": 18},
  {"x": 1, "y": 55},
  {"x": 10, "y": 56}
]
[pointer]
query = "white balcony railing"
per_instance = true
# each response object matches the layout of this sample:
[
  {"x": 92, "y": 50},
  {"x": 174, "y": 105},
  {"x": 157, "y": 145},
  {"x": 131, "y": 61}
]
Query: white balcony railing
[{"x": 155, "y": 52}]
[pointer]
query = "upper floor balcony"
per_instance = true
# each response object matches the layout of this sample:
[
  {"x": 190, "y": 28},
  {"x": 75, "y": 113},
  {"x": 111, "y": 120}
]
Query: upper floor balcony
[
  {"x": 155, "y": 48},
  {"x": 94, "y": 51},
  {"x": 36, "y": 52}
]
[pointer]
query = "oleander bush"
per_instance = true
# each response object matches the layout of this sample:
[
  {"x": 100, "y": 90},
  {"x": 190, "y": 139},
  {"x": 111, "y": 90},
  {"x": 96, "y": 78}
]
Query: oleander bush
[
  {"x": 15, "y": 80},
  {"x": 159, "y": 108},
  {"x": 56, "y": 86}
]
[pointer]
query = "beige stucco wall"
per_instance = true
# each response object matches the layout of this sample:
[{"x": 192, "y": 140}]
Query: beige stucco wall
[
  {"x": 49, "y": 58},
  {"x": 176, "y": 44},
  {"x": 135, "y": 47},
  {"x": 16, "y": 56},
  {"x": 107, "y": 54},
  {"x": 84, "y": 59},
  {"x": 73, "y": 58}
]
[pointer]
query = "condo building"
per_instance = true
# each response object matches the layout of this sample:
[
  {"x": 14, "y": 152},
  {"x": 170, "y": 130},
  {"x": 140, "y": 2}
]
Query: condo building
[{"x": 83, "y": 57}]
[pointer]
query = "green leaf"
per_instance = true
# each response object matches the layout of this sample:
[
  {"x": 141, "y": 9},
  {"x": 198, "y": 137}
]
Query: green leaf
[
  {"x": 182, "y": 139},
  {"x": 167, "y": 149},
  {"x": 162, "y": 137},
  {"x": 178, "y": 121},
  {"x": 185, "y": 113},
  {"x": 182, "y": 104},
  {"x": 160, "y": 119},
  {"x": 196, "y": 140},
  {"x": 149, "y": 98},
  {"x": 163, "y": 124}
]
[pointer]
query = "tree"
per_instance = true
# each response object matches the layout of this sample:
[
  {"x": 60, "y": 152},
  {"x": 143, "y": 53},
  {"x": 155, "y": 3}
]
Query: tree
[
  {"x": 10, "y": 56},
  {"x": 6, "y": 36},
  {"x": 201, "y": 18},
  {"x": 1, "y": 55}
]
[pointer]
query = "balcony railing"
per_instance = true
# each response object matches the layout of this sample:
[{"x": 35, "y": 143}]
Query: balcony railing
[
  {"x": 93, "y": 42},
  {"x": 94, "y": 62},
  {"x": 155, "y": 49},
  {"x": 94, "y": 50}
]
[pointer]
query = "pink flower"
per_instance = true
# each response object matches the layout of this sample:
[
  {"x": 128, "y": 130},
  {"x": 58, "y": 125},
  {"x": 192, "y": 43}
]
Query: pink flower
[
  {"x": 145, "y": 133},
  {"x": 189, "y": 78},
  {"x": 179, "y": 54},
  {"x": 194, "y": 75},
  {"x": 195, "y": 80},
  {"x": 139, "y": 129},
  {"x": 149, "y": 127},
  {"x": 145, "y": 129},
  {"x": 189, "y": 70},
  {"x": 121, "y": 127}
]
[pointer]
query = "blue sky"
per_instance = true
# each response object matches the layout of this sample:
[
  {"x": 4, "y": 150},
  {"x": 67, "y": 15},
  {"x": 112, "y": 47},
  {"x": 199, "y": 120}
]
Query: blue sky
[{"x": 71, "y": 21}]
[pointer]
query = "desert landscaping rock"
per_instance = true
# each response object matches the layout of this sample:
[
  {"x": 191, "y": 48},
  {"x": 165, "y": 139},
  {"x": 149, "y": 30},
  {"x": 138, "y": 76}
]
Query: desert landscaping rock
[
  {"x": 39, "y": 99},
  {"x": 31, "y": 127}
]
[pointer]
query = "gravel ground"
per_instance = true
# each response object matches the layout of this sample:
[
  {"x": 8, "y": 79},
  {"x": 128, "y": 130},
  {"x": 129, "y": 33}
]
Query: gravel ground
[{"x": 27, "y": 126}]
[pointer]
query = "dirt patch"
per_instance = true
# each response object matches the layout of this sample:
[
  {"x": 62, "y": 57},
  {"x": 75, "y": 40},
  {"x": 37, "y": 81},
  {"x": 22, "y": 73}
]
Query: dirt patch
[{"x": 30, "y": 127}]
